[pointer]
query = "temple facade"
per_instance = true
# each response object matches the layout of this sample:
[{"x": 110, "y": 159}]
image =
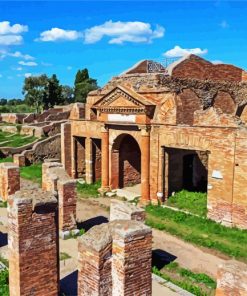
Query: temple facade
[{"x": 168, "y": 129}]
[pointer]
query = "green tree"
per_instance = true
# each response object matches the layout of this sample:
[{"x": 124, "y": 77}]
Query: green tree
[
  {"x": 34, "y": 90},
  {"x": 83, "y": 85},
  {"x": 67, "y": 94},
  {"x": 53, "y": 93}
]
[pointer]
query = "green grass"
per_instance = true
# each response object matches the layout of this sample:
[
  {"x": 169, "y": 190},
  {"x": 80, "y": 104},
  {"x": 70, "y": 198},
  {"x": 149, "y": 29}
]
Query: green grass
[
  {"x": 4, "y": 283},
  {"x": 88, "y": 190},
  {"x": 15, "y": 140},
  {"x": 194, "y": 202},
  {"x": 199, "y": 231},
  {"x": 64, "y": 256},
  {"x": 6, "y": 159},
  {"x": 197, "y": 288},
  {"x": 32, "y": 172}
]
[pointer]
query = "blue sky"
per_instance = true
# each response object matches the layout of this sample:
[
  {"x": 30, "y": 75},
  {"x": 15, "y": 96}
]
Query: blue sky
[{"x": 109, "y": 37}]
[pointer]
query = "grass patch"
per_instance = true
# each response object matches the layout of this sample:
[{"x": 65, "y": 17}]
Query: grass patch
[
  {"x": 194, "y": 202},
  {"x": 199, "y": 231},
  {"x": 3, "y": 204},
  {"x": 4, "y": 283},
  {"x": 32, "y": 172},
  {"x": 88, "y": 190},
  {"x": 15, "y": 140},
  {"x": 197, "y": 283},
  {"x": 6, "y": 159},
  {"x": 64, "y": 256}
]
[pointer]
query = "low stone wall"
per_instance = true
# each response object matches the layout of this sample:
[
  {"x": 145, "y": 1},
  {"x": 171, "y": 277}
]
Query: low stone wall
[
  {"x": 115, "y": 259},
  {"x": 33, "y": 243},
  {"x": 232, "y": 279},
  {"x": 9, "y": 179},
  {"x": 58, "y": 116},
  {"x": 12, "y": 117},
  {"x": 120, "y": 210},
  {"x": 9, "y": 129},
  {"x": 55, "y": 179},
  {"x": 48, "y": 148}
]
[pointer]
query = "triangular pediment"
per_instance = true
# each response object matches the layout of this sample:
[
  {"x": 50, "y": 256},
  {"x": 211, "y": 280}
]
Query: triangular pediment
[{"x": 122, "y": 97}]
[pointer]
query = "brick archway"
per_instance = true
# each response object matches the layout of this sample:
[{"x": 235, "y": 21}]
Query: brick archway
[{"x": 125, "y": 162}]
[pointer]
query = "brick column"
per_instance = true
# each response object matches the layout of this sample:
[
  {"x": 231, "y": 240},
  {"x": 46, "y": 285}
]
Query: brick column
[
  {"x": 33, "y": 244},
  {"x": 94, "y": 263},
  {"x": 9, "y": 179},
  {"x": 66, "y": 148},
  {"x": 89, "y": 160},
  {"x": 145, "y": 165},
  {"x": 105, "y": 159},
  {"x": 131, "y": 258}
]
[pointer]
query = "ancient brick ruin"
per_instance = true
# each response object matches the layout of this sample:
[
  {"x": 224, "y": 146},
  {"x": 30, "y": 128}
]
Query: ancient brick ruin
[
  {"x": 33, "y": 244},
  {"x": 109, "y": 260},
  {"x": 182, "y": 128},
  {"x": 232, "y": 279},
  {"x": 56, "y": 180},
  {"x": 9, "y": 179}
]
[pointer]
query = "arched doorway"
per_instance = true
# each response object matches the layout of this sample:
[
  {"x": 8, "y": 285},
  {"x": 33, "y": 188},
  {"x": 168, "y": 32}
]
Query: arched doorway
[{"x": 125, "y": 162}]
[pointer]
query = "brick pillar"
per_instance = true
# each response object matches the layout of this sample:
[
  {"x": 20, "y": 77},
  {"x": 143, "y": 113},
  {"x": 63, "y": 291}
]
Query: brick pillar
[
  {"x": 145, "y": 165},
  {"x": 120, "y": 210},
  {"x": 89, "y": 160},
  {"x": 232, "y": 279},
  {"x": 66, "y": 147},
  {"x": 33, "y": 244},
  {"x": 131, "y": 258},
  {"x": 9, "y": 179},
  {"x": 94, "y": 268},
  {"x": 105, "y": 159},
  {"x": 67, "y": 204},
  {"x": 19, "y": 160}
]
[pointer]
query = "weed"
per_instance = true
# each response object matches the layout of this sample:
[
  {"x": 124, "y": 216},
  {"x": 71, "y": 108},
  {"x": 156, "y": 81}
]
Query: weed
[{"x": 88, "y": 190}]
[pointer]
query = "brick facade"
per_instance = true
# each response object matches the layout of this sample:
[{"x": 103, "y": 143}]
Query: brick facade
[
  {"x": 9, "y": 179},
  {"x": 110, "y": 256},
  {"x": 33, "y": 244},
  {"x": 232, "y": 279}
]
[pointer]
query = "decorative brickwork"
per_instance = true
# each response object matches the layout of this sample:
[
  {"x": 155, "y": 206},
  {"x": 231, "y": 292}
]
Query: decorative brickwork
[
  {"x": 55, "y": 179},
  {"x": 33, "y": 244},
  {"x": 121, "y": 210},
  {"x": 109, "y": 260},
  {"x": 232, "y": 279},
  {"x": 9, "y": 179}
]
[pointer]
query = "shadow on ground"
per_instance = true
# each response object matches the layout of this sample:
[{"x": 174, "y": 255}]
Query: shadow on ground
[
  {"x": 160, "y": 258},
  {"x": 3, "y": 239},
  {"x": 68, "y": 285},
  {"x": 92, "y": 222}
]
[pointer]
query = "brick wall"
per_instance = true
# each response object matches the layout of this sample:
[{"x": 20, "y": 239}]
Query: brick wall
[
  {"x": 33, "y": 244},
  {"x": 96, "y": 158},
  {"x": 66, "y": 147},
  {"x": 109, "y": 259},
  {"x": 232, "y": 279},
  {"x": 224, "y": 101},
  {"x": 9, "y": 179}
]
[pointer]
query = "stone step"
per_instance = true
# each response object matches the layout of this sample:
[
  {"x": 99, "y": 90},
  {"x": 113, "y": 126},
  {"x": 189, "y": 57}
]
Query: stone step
[{"x": 129, "y": 195}]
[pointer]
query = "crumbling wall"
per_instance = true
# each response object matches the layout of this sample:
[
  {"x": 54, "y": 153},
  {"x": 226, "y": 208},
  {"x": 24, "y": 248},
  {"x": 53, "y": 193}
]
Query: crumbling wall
[
  {"x": 9, "y": 179},
  {"x": 115, "y": 259},
  {"x": 232, "y": 279},
  {"x": 33, "y": 244},
  {"x": 55, "y": 179}
]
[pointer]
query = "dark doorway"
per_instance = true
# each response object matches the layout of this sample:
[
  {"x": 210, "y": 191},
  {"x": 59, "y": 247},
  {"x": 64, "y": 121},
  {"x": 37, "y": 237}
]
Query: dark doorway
[
  {"x": 80, "y": 165},
  {"x": 188, "y": 171}
]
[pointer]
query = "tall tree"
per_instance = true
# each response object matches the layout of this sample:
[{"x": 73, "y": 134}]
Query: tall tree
[
  {"x": 53, "y": 94},
  {"x": 83, "y": 85},
  {"x": 67, "y": 94},
  {"x": 34, "y": 90}
]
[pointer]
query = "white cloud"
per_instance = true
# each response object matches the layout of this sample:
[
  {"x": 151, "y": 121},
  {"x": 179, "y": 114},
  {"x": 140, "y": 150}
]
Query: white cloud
[
  {"x": 69, "y": 68},
  {"x": 57, "y": 34},
  {"x": 216, "y": 62},
  {"x": 17, "y": 54},
  {"x": 26, "y": 75},
  {"x": 6, "y": 28},
  {"x": 224, "y": 24},
  {"x": 120, "y": 32},
  {"x": 10, "y": 39},
  {"x": 177, "y": 51},
  {"x": 46, "y": 64},
  {"x": 30, "y": 64}
]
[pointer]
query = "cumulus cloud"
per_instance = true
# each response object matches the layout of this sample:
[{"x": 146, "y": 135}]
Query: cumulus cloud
[
  {"x": 120, "y": 32},
  {"x": 30, "y": 64},
  {"x": 10, "y": 39},
  {"x": 26, "y": 75},
  {"x": 7, "y": 29},
  {"x": 16, "y": 54},
  {"x": 178, "y": 51},
  {"x": 57, "y": 34}
]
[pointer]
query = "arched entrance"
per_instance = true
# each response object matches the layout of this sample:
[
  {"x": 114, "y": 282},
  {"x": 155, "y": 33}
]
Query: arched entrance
[{"x": 125, "y": 162}]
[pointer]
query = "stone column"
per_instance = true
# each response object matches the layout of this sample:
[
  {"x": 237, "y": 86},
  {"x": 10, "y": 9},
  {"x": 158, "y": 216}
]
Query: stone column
[
  {"x": 89, "y": 160},
  {"x": 66, "y": 149},
  {"x": 105, "y": 159},
  {"x": 131, "y": 258},
  {"x": 145, "y": 165}
]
